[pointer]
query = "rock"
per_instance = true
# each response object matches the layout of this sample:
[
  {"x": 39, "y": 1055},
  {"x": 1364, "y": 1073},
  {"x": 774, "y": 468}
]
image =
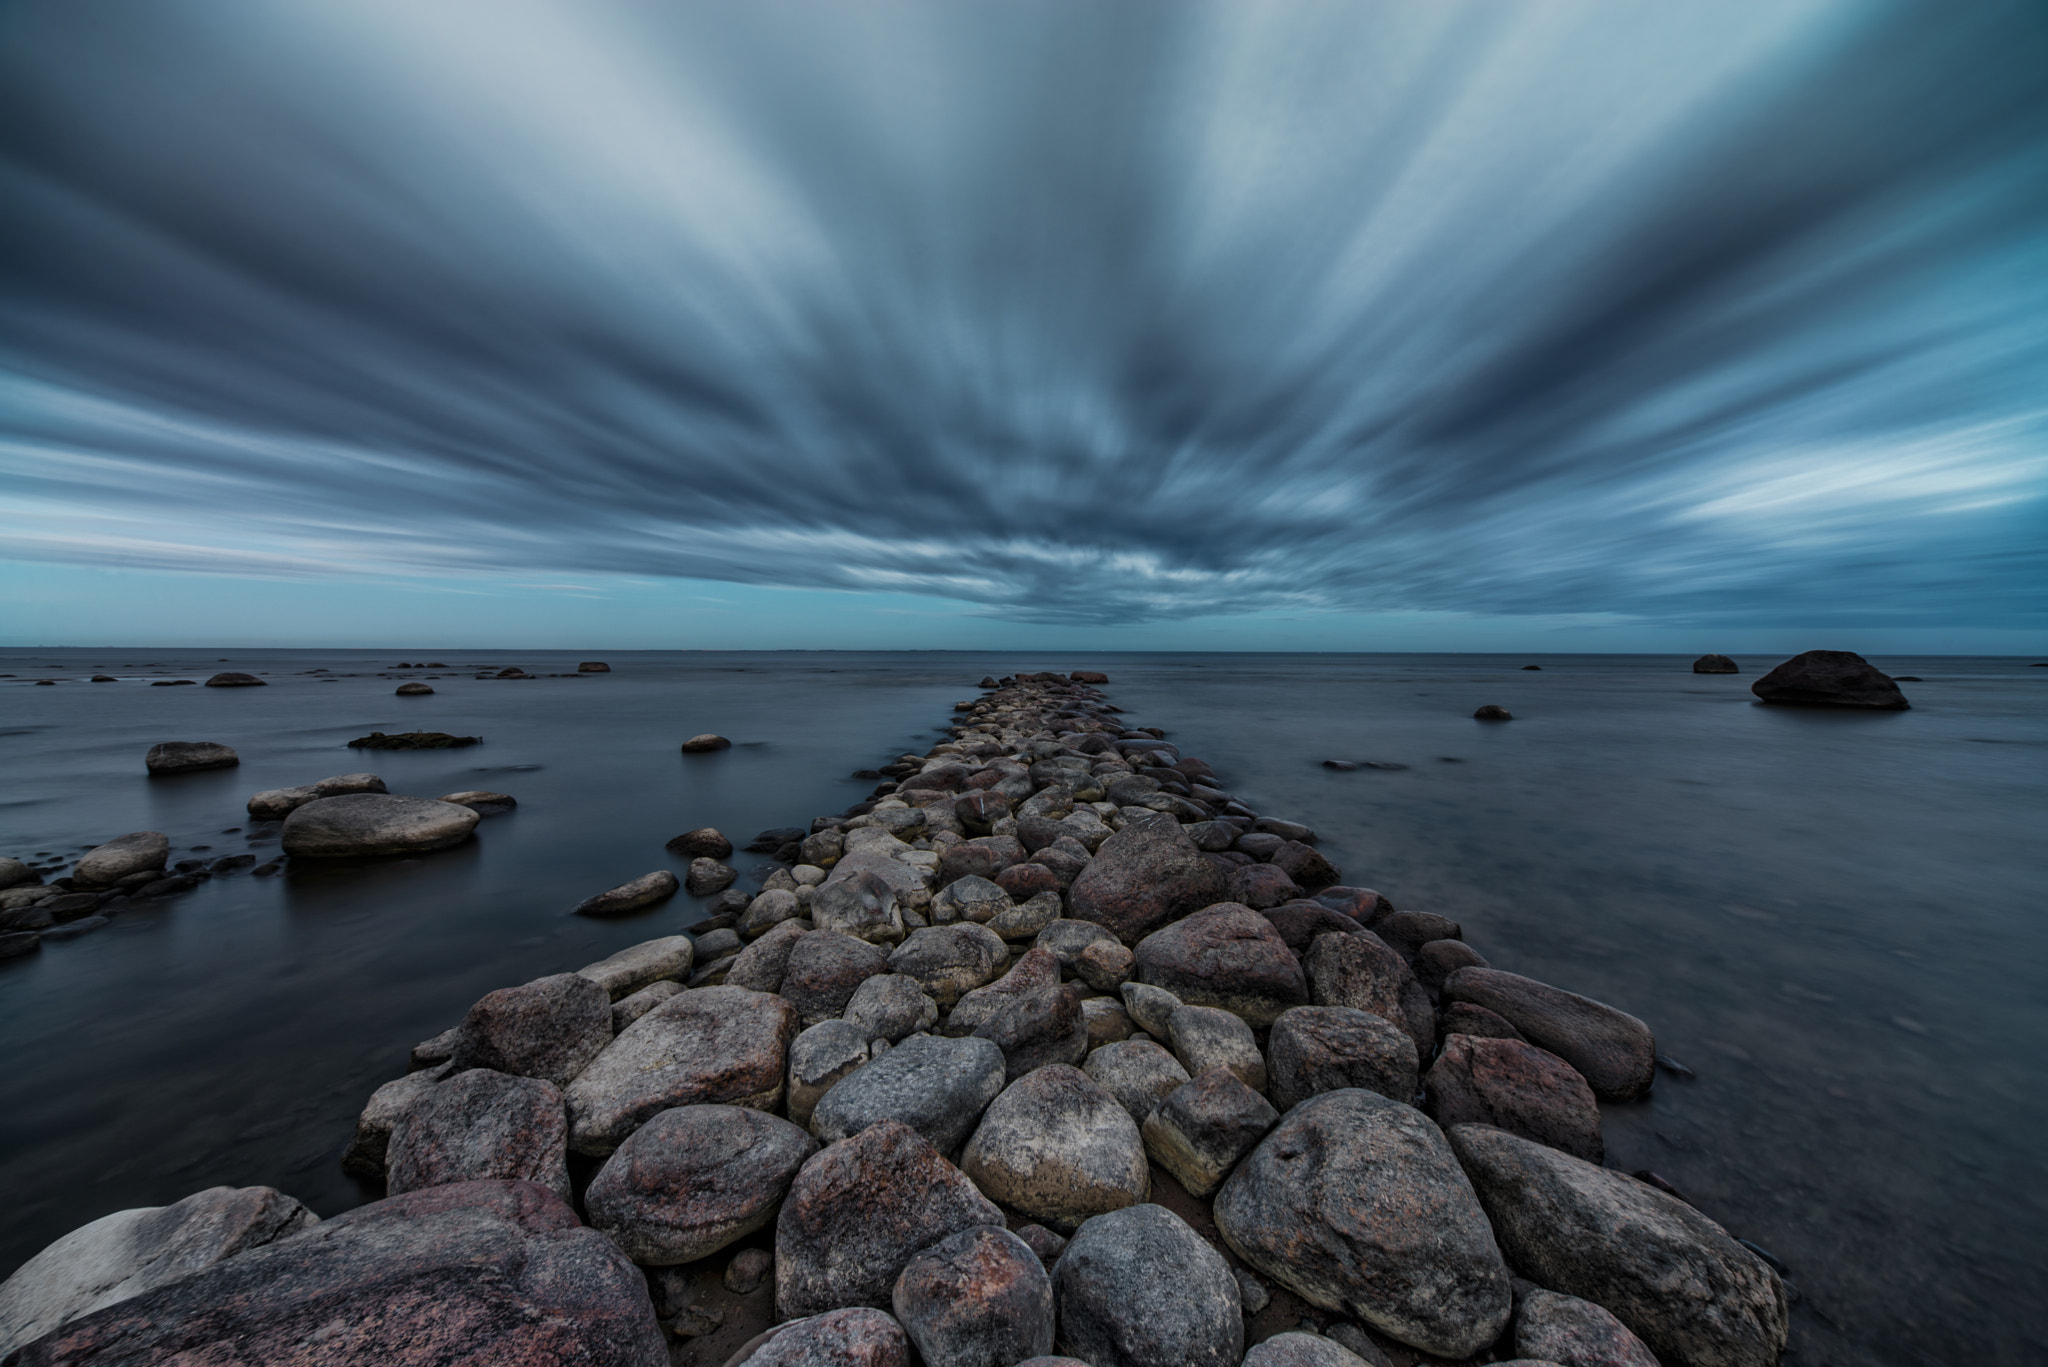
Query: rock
[
  {"x": 949, "y": 961},
  {"x": 1286, "y": 830},
  {"x": 14, "y": 873},
  {"x": 1138, "y": 1288},
  {"x": 1252, "y": 1293},
  {"x": 697, "y": 745},
  {"x": 1259, "y": 844},
  {"x": 854, "y": 1337},
  {"x": 1830, "y": 678},
  {"x": 889, "y": 1006},
  {"x": 860, "y": 1209},
  {"x": 1362, "y": 972},
  {"x": 1228, "y": 956},
  {"x": 1355, "y": 1340},
  {"x": 1317, "y": 1049},
  {"x": 1613, "y": 1050},
  {"x": 1151, "y": 1008},
  {"x": 979, "y": 810},
  {"x": 1356, "y": 1204},
  {"x": 497, "y": 1272},
  {"x": 411, "y": 690},
  {"x": 644, "y": 891},
  {"x": 1259, "y": 886},
  {"x": 968, "y": 898},
  {"x": 1025, "y": 881},
  {"x": 412, "y": 740},
  {"x": 1036, "y": 969},
  {"x": 1105, "y": 966},
  {"x": 549, "y": 1028},
  {"x": 1407, "y": 931},
  {"x": 429, "y": 1053},
  {"x": 1105, "y": 1021},
  {"x": 275, "y": 804},
  {"x": 706, "y": 876},
  {"x": 368, "y": 1148},
  {"x": 1039, "y": 1027},
  {"x": 480, "y": 1125},
  {"x": 184, "y": 756},
  {"x": 771, "y": 908},
  {"x": 762, "y": 964},
  {"x": 1138, "y": 1073},
  {"x": 822, "y": 971},
  {"x": 1674, "y": 1277},
  {"x": 1715, "y": 664},
  {"x": 106, "y": 865},
  {"x": 979, "y": 1298},
  {"x": 1058, "y": 1147},
  {"x": 706, "y": 842},
  {"x": 1515, "y": 1087},
  {"x": 666, "y": 959},
  {"x": 1575, "y": 1333},
  {"x": 1305, "y": 865},
  {"x": 1043, "y": 1242},
  {"x": 232, "y": 679},
  {"x": 1491, "y": 712},
  {"x": 1026, "y": 921},
  {"x": 1463, "y": 1018},
  {"x": 1088, "y": 676},
  {"x": 1146, "y": 875},
  {"x": 1361, "y": 904},
  {"x": 708, "y": 1046},
  {"x": 593, "y": 667},
  {"x": 1302, "y": 1350},
  {"x": 695, "y": 1179},
  {"x": 1436, "y": 960},
  {"x": 818, "y": 1059},
  {"x": 1298, "y": 924},
  {"x": 749, "y": 1268},
  {"x": 634, "y": 1005},
  {"x": 1200, "y": 1131},
  {"x": 822, "y": 848},
  {"x": 365, "y": 824},
  {"x": 481, "y": 801},
  {"x": 938, "y": 1087},
  {"x": 863, "y": 906},
  {"x": 1205, "y": 1037}
]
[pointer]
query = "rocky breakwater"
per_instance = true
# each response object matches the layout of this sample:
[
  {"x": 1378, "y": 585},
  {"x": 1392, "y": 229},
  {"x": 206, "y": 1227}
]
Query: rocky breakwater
[{"x": 1052, "y": 1050}]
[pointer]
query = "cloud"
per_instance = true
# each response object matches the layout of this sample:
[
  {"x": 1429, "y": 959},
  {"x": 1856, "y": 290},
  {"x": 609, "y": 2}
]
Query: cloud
[{"x": 1082, "y": 314}]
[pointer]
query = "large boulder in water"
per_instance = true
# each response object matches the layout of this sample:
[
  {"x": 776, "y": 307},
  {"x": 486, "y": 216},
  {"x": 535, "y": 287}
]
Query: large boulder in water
[
  {"x": 108, "y": 864},
  {"x": 1615, "y": 1052},
  {"x": 375, "y": 824},
  {"x": 184, "y": 756},
  {"x": 1830, "y": 678},
  {"x": 1138, "y": 1288},
  {"x": 497, "y": 1272},
  {"x": 1715, "y": 664},
  {"x": 1145, "y": 876}
]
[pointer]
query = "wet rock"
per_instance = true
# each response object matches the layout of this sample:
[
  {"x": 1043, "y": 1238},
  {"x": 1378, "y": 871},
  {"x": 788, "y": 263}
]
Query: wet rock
[
  {"x": 706, "y": 876},
  {"x": 706, "y": 842},
  {"x": 413, "y": 740},
  {"x": 184, "y": 756},
  {"x": 480, "y": 1125},
  {"x": 368, "y": 824},
  {"x": 1228, "y": 956},
  {"x": 1205, "y": 1037},
  {"x": 708, "y": 1046},
  {"x": 823, "y": 969},
  {"x": 1038, "y": 968},
  {"x": 862, "y": 905},
  {"x": 979, "y": 1298},
  {"x": 695, "y": 1179},
  {"x": 853, "y": 1337},
  {"x": 1715, "y": 664},
  {"x": 1830, "y": 678},
  {"x": 772, "y": 908},
  {"x": 1200, "y": 1131},
  {"x": 1362, "y": 972},
  {"x": 1306, "y": 865},
  {"x": 497, "y": 1272},
  {"x": 549, "y": 1028},
  {"x": 1436, "y": 960},
  {"x": 106, "y": 865},
  {"x": 818, "y": 1059},
  {"x": 1146, "y": 875},
  {"x": 1515, "y": 1087},
  {"x": 968, "y": 898},
  {"x": 1674, "y": 1277},
  {"x": 482, "y": 801},
  {"x": 1356, "y": 1204},
  {"x": 1493, "y": 712},
  {"x": 698, "y": 745},
  {"x": 634, "y": 1005},
  {"x": 1286, "y": 830},
  {"x": 949, "y": 961},
  {"x": 762, "y": 964},
  {"x": 889, "y": 1006},
  {"x": 1138, "y": 1288},
  {"x": 1613, "y": 1050},
  {"x": 860, "y": 1210},
  {"x": 1575, "y": 1333},
  {"x": 1316, "y": 1049},
  {"x": 1260, "y": 886},
  {"x": 1151, "y": 1008},
  {"x": 1302, "y": 1350},
  {"x": 938, "y": 1087},
  {"x": 412, "y": 690},
  {"x": 234, "y": 679},
  {"x": 644, "y": 891},
  {"x": 128, "y": 1253},
  {"x": 1057, "y": 1147},
  {"x": 71, "y": 930},
  {"x": 1040, "y": 1027}
]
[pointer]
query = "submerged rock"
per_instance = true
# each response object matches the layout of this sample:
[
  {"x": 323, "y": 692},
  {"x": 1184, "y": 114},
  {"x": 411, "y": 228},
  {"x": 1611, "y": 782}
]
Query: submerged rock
[
  {"x": 412, "y": 740},
  {"x": 368, "y": 824},
  {"x": 482, "y": 801},
  {"x": 1830, "y": 678},
  {"x": 122, "y": 857},
  {"x": 183, "y": 756},
  {"x": 644, "y": 891},
  {"x": 233, "y": 679}
]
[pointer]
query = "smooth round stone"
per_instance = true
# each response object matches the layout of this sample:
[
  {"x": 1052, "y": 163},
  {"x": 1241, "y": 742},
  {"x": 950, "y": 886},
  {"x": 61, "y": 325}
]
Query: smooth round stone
[
  {"x": 697, "y": 745},
  {"x": 481, "y": 1125},
  {"x": 695, "y": 1179},
  {"x": 375, "y": 824},
  {"x": 108, "y": 864},
  {"x": 1139, "y": 1288},
  {"x": 1058, "y": 1147},
  {"x": 979, "y": 1298}
]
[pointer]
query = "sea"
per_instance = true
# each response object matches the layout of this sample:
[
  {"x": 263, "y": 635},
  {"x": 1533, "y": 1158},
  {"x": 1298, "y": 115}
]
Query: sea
[{"x": 1834, "y": 921}]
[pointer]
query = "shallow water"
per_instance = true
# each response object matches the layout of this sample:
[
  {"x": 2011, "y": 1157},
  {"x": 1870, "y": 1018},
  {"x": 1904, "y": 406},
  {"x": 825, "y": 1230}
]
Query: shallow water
[{"x": 1832, "y": 918}]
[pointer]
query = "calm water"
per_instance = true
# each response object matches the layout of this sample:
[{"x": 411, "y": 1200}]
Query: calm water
[{"x": 1834, "y": 919}]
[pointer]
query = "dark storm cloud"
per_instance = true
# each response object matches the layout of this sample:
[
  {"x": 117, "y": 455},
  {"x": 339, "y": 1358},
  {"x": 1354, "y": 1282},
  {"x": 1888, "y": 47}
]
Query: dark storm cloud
[{"x": 1083, "y": 313}]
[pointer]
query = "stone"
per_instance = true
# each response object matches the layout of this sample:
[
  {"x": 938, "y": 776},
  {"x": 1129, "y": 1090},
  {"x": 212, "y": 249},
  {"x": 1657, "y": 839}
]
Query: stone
[
  {"x": 1615, "y": 1052},
  {"x": 1493, "y": 712},
  {"x": 497, "y": 1272},
  {"x": 1361, "y": 904},
  {"x": 1463, "y": 1018},
  {"x": 949, "y": 961},
  {"x": 1259, "y": 844},
  {"x": 1317, "y": 1049},
  {"x": 413, "y": 740},
  {"x": 762, "y": 964},
  {"x": 862, "y": 905},
  {"x": 1105, "y": 966},
  {"x": 1563, "y": 1329},
  {"x": 1253, "y": 1293},
  {"x": 822, "y": 848},
  {"x": 482, "y": 801},
  {"x": 938, "y": 1087},
  {"x": 1037, "y": 1028},
  {"x": 1227, "y": 956},
  {"x": 368, "y": 1147},
  {"x": 706, "y": 876},
  {"x": 1356, "y": 1204},
  {"x": 818, "y": 1059},
  {"x": 823, "y": 969},
  {"x": 749, "y": 1268},
  {"x": 1137, "y": 1288},
  {"x": 414, "y": 690},
  {"x": 234, "y": 679},
  {"x": 697, "y": 745},
  {"x": 1146, "y": 875},
  {"x": 1105, "y": 1020},
  {"x": 889, "y": 1006},
  {"x": 549, "y": 1028},
  {"x": 1066, "y": 857},
  {"x": 1436, "y": 960},
  {"x": 1715, "y": 664},
  {"x": 644, "y": 891},
  {"x": 369, "y": 824},
  {"x": 480, "y": 1125},
  {"x": 1200, "y": 1131},
  {"x": 1043, "y": 1242},
  {"x": 667, "y": 959},
  {"x": 1027, "y": 920},
  {"x": 1025, "y": 881},
  {"x": 1036, "y": 969},
  {"x": 860, "y": 1209},
  {"x": 1259, "y": 886},
  {"x": 1830, "y": 678},
  {"x": 1151, "y": 1008},
  {"x": 968, "y": 898},
  {"x": 1058, "y": 1148},
  {"x": 706, "y": 842},
  {"x": 1298, "y": 924},
  {"x": 123, "y": 1255},
  {"x": 185, "y": 756},
  {"x": 593, "y": 667},
  {"x": 14, "y": 873},
  {"x": 1517, "y": 1087},
  {"x": 708, "y": 1046},
  {"x": 1302, "y": 1350},
  {"x": 1306, "y": 865},
  {"x": 1674, "y": 1277},
  {"x": 1138, "y": 1073},
  {"x": 1349, "y": 1336},
  {"x": 979, "y": 1298},
  {"x": 430, "y": 1053},
  {"x": 769, "y": 909},
  {"x": 853, "y": 1337},
  {"x": 105, "y": 865},
  {"x": 693, "y": 1180},
  {"x": 275, "y": 804},
  {"x": 1407, "y": 931},
  {"x": 1205, "y": 1037},
  {"x": 1285, "y": 830},
  {"x": 1361, "y": 971},
  {"x": 634, "y": 1005}
]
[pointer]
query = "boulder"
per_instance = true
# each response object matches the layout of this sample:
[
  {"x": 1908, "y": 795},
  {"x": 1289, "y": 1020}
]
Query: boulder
[
  {"x": 979, "y": 810},
  {"x": 550, "y": 1028},
  {"x": 14, "y": 873},
  {"x": 1515, "y": 1087},
  {"x": 762, "y": 964},
  {"x": 1295, "y": 1349},
  {"x": 822, "y": 849},
  {"x": 1137, "y": 1288},
  {"x": 105, "y": 865},
  {"x": 1356, "y": 1204},
  {"x": 1026, "y": 920},
  {"x": 593, "y": 667},
  {"x": 859, "y": 1210},
  {"x": 1138, "y": 1073},
  {"x": 1317, "y": 1049},
  {"x": 1553, "y": 1327},
  {"x": 1305, "y": 864},
  {"x": 979, "y": 1298},
  {"x": 413, "y": 690},
  {"x": 1205, "y": 1037},
  {"x": 1058, "y": 1147},
  {"x": 1204, "y": 1127},
  {"x": 861, "y": 904},
  {"x": 497, "y": 1272},
  {"x": 1361, "y": 971},
  {"x": 1361, "y": 904},
  {"x": 1298, "y": 924},
  {"x": 1615, "y": 1052},
  {"x": 1036, "y": 969},
  {"x": 413, "y": 740},
  {"x": 1227, "y": 956},
  {"x": 706, "y": 842},
  {"x": 1407, "y": 931},
  {"x": 854, "y": 1337},
  {"x": 768, "y": 910},
  {"x": 1715, "y": 664},
  {"x": 1106, "y": 966},
  {"x": 694, "y": 1179},
  {"x": 982, "y": 858},
  {"x": 1025, "y": 881},
  {"x": 123, "y": 1255},
  {"x": 1493, "y": 712},
  {"x": 1830, "y": 678},
  {"x": 949, "y": 961},
  {"x": 644, "y": 891},
  {"x": 480, "y": 1125},
  {"x": 1436, "y": 960},
  {"x": 708, "y": 1046},
  {"x": 1463, "y": 1018},
  {"x": 370, "y": 1145},
  {"x": 818, "y": 1059},
  {"x": 1151, "y": 1007},
  {"x": 184, "y": 756},
  {"x": 275, "y": 804},
  {"x": 1037, "y": 1028},
  {"x": 698, "y": 745},
  {"x": 482, "y": 801},
  {"x": 968, "y": 898},
  {"x": 823, "y": 969},
  {"x": 1146, "y": 875},
  {"x": 938, "y": 1087},
  {"x": 634, "y": 1005},
  {"x": 706, "y": 876},
  {"x": 364, "y": 824},
  {"x": 651, "y": 961},
  {"x": 889, "y": 1006},
  {"x": 1260, "y": 886},
  {"x": 1285, "y": 830},
  {"x": 1674, "y": 1277},
  {"x": 234, "y": 679}
]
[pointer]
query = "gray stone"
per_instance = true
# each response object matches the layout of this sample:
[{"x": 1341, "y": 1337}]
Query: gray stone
[
  {"x": 716, "y": 944},
  {"x": 706, "y": 876},
  {"x": 365, "y": 824},
  {"x": 1143, "y": 877},
  {"x": 1138, "y": 1288},
  {"x": 275, "y": 804},
  {"x": 1138, "y": 1073},
  {"x": 1615, "y": 1052},
  {"x": 1362, "y": 972},
  {"x": 549, "y": 1028},
  {"x": 183, "y": 756},
  {"x": 1058, "y": 1147},
  {"x": 1204, "y": 1127},
  {"x": 106, "y": 865},
  {"x": 862, "y": 905},
  {"x": 13, "y": 873},
  {"x": 1253, "y": 1292},
  {"x": 762, "y": 964},
  {"x": 854, "y": 1337},
  {"x": 1206, "y": 1037},
  {"x": 644, "y": 891},
  {"x": 969, "y": 898},
  {"x": 1037, "y": 968},
  {"x": 818, "y": 1059},
  {"x": 482, "y": 801},
  {"x": 626, "y": 972},
  {"x": 1517, "y": 1087},
  {"x": 695, "y": 1179},
  {"x": 1105, "y": 1020},
  {"x": 823, "y": 970},
  {"x": 370, "y": 1144},
  {"x": 889, "y": 1006},
  {"x": 1575, "y": 1333},
  {"x": 480, "y": 1125},
  {"x": 979, "y": 1298},
  {"x": 1316, "y": 1049},
  {"x": 949, "y": 961},
  {"x": 1027, "y": 920},
  {"x": 938, "y": 1087},
  {"x": 633, "y": 1006},
  {"x": 1302, "y": 1350},
  {"x": 1106, "y": 967},
  {"x": 1150, "y": 1007},
  {"x": 775, "y": 907},
  {"x": 1038, "y": 1028},
  {"x": 1067, "y": 938}
]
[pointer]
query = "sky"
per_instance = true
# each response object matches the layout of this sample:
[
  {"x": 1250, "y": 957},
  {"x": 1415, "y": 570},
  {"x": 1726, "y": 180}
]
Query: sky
[{"x": 1167, "y": 324}]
